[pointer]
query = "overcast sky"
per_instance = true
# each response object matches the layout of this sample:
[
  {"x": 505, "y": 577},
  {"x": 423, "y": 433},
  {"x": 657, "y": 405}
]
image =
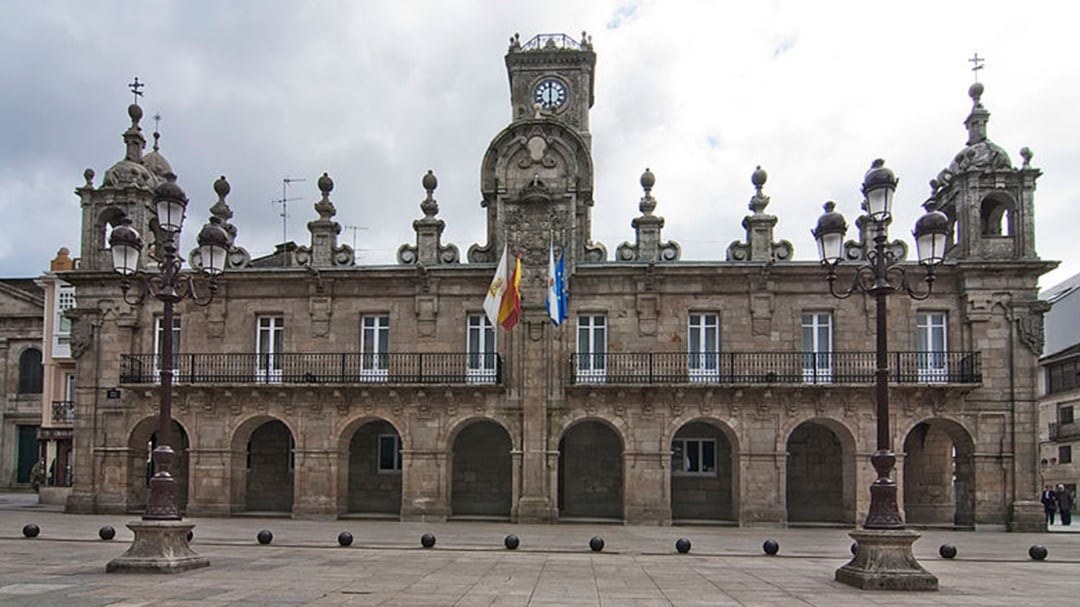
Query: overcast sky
[{"x": 376, "y": 93}]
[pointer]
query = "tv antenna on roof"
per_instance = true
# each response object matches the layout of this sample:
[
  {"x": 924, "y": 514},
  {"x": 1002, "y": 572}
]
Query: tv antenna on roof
[
  {"x": 354, "y": 230},
  {"x": 284, "y": 202}
]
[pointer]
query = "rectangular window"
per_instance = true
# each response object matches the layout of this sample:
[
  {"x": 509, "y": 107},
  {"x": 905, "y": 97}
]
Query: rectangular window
[
  {"x": 817, "y": 347},
  {"x": 389, "y": 453},
  {"x": 1065, "y": 454},
  {"x": 1062, "y": 376},
  {"x": 481, "y": 350},
  {"x": 703, "y": 337},
  {"x": 65, "y": 300},
  {"x": 159, "y": 344},
  {"x": 592, "y": 348},
  {"x": 931, "y": 346},
  {"x": 269, "y": 343},
  {"x": 1065, "y": 414},
  {"x": 693, "y": 457},
  {"x": 375, "y": 347}
]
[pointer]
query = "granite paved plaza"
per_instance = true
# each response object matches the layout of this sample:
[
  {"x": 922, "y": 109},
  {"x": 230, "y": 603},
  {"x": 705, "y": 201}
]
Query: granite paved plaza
[{"x": 386, "y": 565}]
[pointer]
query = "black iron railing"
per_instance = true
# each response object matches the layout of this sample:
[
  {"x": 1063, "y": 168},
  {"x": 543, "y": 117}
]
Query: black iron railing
[
  {"x": 63, "y": 412},
  {"x": 1064, "y": 430},
  {"x": 774, "y": 368},
  {"x": 347, "y": 368}
]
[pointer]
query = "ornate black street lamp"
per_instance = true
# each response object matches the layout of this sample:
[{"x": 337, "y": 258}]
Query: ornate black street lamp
[
  {"x": 881, "y": 274},
  {"x": 161, "y": 547}
]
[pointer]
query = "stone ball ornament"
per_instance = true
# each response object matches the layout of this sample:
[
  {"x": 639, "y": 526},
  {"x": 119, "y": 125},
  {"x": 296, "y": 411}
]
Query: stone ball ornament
[
  {"x": 596, "y": 543},
  {"x": 1038, "y": 552},
  {"x": 427, "y": 540},
  {"x": 512, "y": 542},
  {"x": 264, "y": 537},
  {"x": 31, "y": 530},
  {"x": 947, "y": 551},
  {"x": 106, "y": 533},
  {"x": 345, "y": 538},
  {"x": 771, "y": 547},
  {"x": 682, "y": 545}
]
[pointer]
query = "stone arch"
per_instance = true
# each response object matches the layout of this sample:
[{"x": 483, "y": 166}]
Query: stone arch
[
  {"x": 939, "y": 473},
  {"x": 996, "y": 215},
  {"x": 701, "y": 490},
  {"x": 31, "y": 371},
  {"x": 591, "y": 469},
  {"x": 107, "y": 219},
  {"x": 262, "y": 465},
  {"x": 820, "y": 473},
  {"x": 481, "y": 479},
  {"x": 141, "y": 442},
  {"x": 370, "y": 469}
]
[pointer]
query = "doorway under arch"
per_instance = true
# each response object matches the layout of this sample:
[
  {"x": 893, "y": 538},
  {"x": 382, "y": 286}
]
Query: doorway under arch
[
  {"x": 703, "y": 473},
  {"x": 590, "y": 472},
  {"x": 482, "y": 473},
  {"x": 820, "y": 474},
  {"x": 939, "y": 475}
]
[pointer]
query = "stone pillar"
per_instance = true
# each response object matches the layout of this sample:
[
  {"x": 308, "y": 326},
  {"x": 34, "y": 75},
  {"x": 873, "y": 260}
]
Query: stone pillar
[
  {"x": 210, "y": 490},
  {"x": 316, "y": 485},
  {"x": 762, "y": 495},
  {"x": 646, "y": 502},
  {"x": 423, "y": 487},
  {"x": 536, "y": 381}
]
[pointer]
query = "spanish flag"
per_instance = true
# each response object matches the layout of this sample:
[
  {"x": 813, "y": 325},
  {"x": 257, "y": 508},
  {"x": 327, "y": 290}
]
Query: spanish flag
[{"x": 510, "y": 308}]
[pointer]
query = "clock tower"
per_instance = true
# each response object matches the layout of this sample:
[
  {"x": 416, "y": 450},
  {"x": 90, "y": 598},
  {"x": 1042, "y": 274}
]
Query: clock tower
[{"x": 552, "y": 73}]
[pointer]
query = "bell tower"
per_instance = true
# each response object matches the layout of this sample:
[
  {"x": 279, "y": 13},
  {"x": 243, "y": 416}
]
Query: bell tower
[
  {"x": 551, "y": 75},
  {"x": 989, "y": 202}
]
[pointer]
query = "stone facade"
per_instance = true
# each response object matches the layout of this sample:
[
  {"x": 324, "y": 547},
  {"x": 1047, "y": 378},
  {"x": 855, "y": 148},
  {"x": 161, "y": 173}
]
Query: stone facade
[
  {"x": 736, "y": 391},
  {"x": 22, "y": 308}
]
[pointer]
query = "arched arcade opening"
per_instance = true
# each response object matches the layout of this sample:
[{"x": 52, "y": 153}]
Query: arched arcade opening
[
  {"x": 482, "y": 471},
  {"x": 820, "y": 474},
  {"x": 141, "y": 443},
  {"x": 939, "y": 474},
  {"x": 590, "y": 472},
  {"x": 703, "y": 474}
]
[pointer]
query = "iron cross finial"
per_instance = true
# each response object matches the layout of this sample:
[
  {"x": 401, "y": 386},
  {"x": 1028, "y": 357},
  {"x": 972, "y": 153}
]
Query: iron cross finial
[
  {"x": 135, "y": 86},
  {"x": 157, "y": 121},
  {"x": 977, "y": 64}
]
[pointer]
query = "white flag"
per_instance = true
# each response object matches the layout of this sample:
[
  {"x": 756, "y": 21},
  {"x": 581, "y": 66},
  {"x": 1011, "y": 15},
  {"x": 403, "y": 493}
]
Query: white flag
[
  {"x": 496, "y": 290},
  {"x": 552, "y": 287}
]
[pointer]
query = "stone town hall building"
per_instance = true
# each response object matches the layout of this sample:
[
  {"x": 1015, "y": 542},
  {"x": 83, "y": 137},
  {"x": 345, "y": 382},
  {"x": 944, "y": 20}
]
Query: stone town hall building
[{"x": 737, "y": 391}]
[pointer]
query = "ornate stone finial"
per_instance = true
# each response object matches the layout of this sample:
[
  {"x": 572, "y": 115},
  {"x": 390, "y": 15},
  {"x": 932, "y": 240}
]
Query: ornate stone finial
[
  {"x": 648, "y": 203},
  {"x": 1026, "y": 154},
  {"x": 515, "y": 42},
  {"x": 758, "y": 178},
  {"x": 157, "y": 136},
  {"x": 759, "y": 244},
  {"x": 429, "y": 205},
  {"x": 326, "y": 185},
  {"x": 221, "y": 208},
  {"x": 88, "y": 175},
  {"x": 759, "y": 200},
  {"x": 135, "y": 113},
  {"x": 220, "y": 214},
  {"x": 538, "y": 111},
  {"x": 975, "y": 91}
]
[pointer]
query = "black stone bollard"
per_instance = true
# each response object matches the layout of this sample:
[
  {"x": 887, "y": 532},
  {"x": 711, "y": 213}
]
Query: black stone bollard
[
  {"x": 512, "y": 542},
  {"x": 682, "y": 545},
  {"x": 596, "y": 543},
  {"x": 854, "y": 547},
  {"x": 344, "y": 538},
  {"x": 265, "y": 537},
  {"x": 1038, "y": 552},
  {"x": 190, "y": 536},
  {"x": 427, "y": 540},
  {"x": 947, "y": 551},
  {"x": 106, "y": 533},
  {"x": 31, "y": 530},
  {"x": 771, "y": 547}
]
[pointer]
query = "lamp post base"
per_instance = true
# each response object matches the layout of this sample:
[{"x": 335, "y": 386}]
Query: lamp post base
[
  {"x": 158, "y": 547},
  {"x": 884, "y": 562}
]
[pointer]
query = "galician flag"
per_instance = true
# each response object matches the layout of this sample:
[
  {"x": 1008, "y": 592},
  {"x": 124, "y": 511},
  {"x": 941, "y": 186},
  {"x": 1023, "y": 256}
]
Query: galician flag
[
  {"x": 496, "y": 291},
  {"x": 510, "y": 308},
  {"x": 556, "y": 295}
]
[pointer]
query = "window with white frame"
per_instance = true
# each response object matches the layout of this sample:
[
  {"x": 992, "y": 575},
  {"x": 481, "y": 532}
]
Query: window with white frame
[
  {"x": 817, "y": 346},
  {"x": 159, "y": 343},
  {"x": 693, "y": 457},
  {"x": 269, "y": 343},
  {"x": 481, "y": 363},
  {"x": 592, "y": 348},
  {"x": 64, "y": 301},
  {"x": 703, "y": 338},
  {"x": 375, "y": 346},
  {"x": 931, "y": 330},
  {"x": 389, "y": 454}
]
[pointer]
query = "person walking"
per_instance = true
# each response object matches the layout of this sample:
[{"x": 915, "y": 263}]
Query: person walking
[
  {"x": 1064, "y": 504},
  {"x": 1049, "y": 502}
]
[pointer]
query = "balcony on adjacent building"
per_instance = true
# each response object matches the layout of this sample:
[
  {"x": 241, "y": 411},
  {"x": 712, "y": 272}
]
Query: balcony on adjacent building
[
  {"x": 321, "y": 368},
  {"x": 773, "y": 368},
  {"x": 1060, "y": 431}
]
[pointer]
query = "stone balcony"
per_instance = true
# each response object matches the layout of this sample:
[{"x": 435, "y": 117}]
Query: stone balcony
[{"x": 1061, "y": 431}]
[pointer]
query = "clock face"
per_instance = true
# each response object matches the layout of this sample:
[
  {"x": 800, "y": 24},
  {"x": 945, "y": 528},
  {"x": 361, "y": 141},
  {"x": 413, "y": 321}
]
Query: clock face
[{"x": 550, "y": 94}]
